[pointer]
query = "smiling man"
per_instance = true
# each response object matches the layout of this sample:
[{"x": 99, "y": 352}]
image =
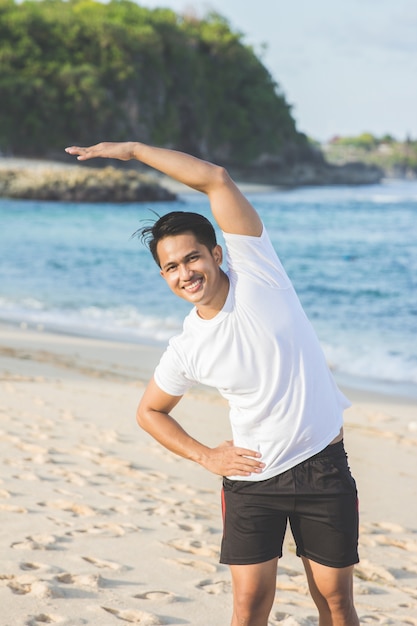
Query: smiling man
[
  {"x": 248, "y": 336},
  {"x": 191, "y": 267}
]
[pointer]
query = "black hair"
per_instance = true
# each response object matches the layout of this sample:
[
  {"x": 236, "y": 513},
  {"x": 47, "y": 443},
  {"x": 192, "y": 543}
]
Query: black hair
[{"x": 177, "y": 223}]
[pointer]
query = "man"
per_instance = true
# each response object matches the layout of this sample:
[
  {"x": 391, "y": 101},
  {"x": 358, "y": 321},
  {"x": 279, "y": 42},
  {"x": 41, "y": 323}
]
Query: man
[{"x": 248, "y": 336}]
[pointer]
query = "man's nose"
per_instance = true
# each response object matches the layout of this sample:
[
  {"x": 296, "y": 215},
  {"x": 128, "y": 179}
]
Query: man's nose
[{"x": 185, "y": 271}]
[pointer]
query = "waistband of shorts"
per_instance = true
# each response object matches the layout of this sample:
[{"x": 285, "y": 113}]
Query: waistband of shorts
[{"x": 330, "y": 450}]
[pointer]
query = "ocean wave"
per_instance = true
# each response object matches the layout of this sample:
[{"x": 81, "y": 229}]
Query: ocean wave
[
  {"x": 378, "y": 363},
  {"x": 123, "y": 323},
  {"x": 364, "y": 357}
]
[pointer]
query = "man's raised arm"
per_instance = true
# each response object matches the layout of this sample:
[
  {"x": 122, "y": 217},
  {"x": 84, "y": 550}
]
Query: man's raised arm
[{"x": 231, "y": 210}]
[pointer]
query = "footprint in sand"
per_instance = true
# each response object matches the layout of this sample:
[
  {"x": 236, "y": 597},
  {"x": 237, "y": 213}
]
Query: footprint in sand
[
  {"x": 215, "y": 587},
  {"x": 164, "y": 511},
  {"x": 26, "y": 584},
  {"x": 37, "y": 542},
  {"x": 13, "y": 508},
  {"x": 106, "y": 530},
  {"x": 108, "y": 436},
  {"x": 31, "y": 566},
  {"x": 366, "y": 570},
  {"x": 119, "y": 496},
  {"x": 378, "y": 528},
  {"x": 134, "y": 617},
  {"x": 296, "y": 583},
  {"x": 366, "y": 589},
  {"x": 181, "y": 488},
  {"x": 157, "y": 476},
  {"x": 30, "y": 476},
  {"x": 160, "y": 596},
  {"x": 284, "y": 619},
  {"x": 45, "y": 618},
  {"x": 31, "y": 448},
  {"x": 195, "y": 529},
  {"x": 83, "y": 580},
  {"x": 407, "y": 545},
  {"x": 72, "y": 507},
  {"x": 202, "y": 566},
  {"x": 102, "y": 564},
  {"x": 194, "y": 546},
  {"x": 6, "y": 577}
]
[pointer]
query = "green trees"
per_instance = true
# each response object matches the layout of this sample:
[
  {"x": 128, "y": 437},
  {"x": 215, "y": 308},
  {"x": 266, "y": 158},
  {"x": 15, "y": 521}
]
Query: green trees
[
  {"x": 80, "y": 71},
  {"x": 396, "y": 158}
]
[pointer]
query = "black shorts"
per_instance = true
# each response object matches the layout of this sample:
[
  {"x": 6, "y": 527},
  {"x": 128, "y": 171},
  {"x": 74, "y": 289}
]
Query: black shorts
[{"x": 319, "y": 499}]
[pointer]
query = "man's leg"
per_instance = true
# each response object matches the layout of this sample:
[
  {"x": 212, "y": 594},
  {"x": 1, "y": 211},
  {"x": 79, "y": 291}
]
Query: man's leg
[
  {"x": 332, "y": 590},
  {"x": 253, "y": 592}
]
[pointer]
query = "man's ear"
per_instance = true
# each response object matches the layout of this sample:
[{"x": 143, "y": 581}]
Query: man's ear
[{"x": 218, "y": 254}]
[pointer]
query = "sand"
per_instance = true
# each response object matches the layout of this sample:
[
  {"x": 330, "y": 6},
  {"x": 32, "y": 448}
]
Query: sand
[{"x": 100, "y": 525}]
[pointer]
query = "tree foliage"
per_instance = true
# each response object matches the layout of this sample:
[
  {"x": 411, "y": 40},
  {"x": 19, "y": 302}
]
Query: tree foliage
[
  {"x": 396, "y": 158},
  {"x": 80, "y": 71}
]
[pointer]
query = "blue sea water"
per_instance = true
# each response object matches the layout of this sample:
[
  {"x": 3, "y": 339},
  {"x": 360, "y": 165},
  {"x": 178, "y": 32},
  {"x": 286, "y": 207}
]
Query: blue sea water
[{"x": 351, "y": 253}]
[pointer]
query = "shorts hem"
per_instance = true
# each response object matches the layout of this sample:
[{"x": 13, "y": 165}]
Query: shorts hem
[
  {"x": 248, "y": 560},
  {"x": 328, "y": 563}
]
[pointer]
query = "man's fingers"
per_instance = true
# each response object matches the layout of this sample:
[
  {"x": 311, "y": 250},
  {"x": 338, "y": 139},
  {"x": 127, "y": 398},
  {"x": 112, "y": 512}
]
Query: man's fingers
[
  {"x": 248, "y": 453},
  {"x": 88, "y": 152},
  {"x": 246, "y": 463},
  {"x": 81, "y": 152},
  {"x": 228, "y": 460},
  {"x": 123, "y": 151}
]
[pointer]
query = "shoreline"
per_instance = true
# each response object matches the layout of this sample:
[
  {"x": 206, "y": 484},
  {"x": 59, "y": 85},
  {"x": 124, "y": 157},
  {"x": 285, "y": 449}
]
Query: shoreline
[
  {"x": 355, "y": 387},
  {"x": 102, "y": 524}
]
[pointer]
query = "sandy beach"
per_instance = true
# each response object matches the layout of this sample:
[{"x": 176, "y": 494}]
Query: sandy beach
[{"x": 100, "y": 525}]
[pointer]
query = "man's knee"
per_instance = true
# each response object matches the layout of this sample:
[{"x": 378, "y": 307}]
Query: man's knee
[
  {"x": 254, "y": 604},
  {"x": 251, "y": 605},
  {"x": 253, "y": 592},
  {"x": 341, "y": 606}
]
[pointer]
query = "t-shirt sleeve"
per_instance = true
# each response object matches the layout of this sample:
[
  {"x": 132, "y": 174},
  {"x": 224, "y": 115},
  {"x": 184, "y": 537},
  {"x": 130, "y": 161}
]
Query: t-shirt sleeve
[
  {"x": 170, "y": 374},
  {"x": 255, "y": 257}
]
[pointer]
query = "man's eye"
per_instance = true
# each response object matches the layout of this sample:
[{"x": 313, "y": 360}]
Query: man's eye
[{"x": 194, "y": 257}]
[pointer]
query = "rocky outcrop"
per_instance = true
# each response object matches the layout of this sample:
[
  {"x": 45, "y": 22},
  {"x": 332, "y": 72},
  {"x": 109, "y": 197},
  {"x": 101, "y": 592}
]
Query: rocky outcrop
[
  {"x": 80, "y": 184},
  {"x": 311, "y": 174}
]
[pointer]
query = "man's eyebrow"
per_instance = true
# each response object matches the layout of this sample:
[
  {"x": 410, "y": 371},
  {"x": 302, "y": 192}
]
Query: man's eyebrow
[
  {"x": 184, "y": 258},
  {"x": 167, "y": 264},
  {"x": 192, "y": 253}
]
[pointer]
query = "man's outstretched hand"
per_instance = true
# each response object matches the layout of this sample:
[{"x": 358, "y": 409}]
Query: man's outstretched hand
[{"x": 123, "y": 151}]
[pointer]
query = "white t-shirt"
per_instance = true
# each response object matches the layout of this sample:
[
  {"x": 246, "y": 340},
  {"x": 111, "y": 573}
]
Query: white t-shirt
[{"x": 262, "y": 354}]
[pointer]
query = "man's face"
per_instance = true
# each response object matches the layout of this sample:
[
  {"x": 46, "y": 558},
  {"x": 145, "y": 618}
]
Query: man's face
[{"x": 191, "y": 270}]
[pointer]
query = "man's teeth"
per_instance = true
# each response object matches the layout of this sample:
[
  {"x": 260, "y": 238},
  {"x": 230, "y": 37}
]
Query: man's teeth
[{"x": 193, "y": 285}]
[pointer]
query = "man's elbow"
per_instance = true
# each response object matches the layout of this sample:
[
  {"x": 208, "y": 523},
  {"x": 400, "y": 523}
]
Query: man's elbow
[
  {"x": 142, "y": 417},
  {"x": 221, "y": 176},
  {"x": 218, "y": 177}
]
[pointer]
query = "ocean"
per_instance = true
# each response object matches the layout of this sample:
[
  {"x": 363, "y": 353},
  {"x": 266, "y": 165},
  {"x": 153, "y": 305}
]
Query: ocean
[{"x": 351, "y": 253}]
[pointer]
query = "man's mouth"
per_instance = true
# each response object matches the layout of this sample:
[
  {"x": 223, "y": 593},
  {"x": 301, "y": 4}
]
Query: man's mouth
[{"x": 194, "y": 286}]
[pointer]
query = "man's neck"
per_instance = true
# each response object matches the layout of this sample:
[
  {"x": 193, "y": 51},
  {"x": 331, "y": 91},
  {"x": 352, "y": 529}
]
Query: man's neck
[{"x": 210, "y": 310}]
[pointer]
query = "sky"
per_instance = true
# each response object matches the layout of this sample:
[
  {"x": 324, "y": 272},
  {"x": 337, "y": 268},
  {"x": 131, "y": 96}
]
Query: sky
[{"x": 345, "y": 66}]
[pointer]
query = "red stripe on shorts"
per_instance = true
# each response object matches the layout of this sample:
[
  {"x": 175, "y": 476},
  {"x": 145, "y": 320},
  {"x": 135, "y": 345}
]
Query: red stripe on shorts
[{"x": 223, "y": 510}]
